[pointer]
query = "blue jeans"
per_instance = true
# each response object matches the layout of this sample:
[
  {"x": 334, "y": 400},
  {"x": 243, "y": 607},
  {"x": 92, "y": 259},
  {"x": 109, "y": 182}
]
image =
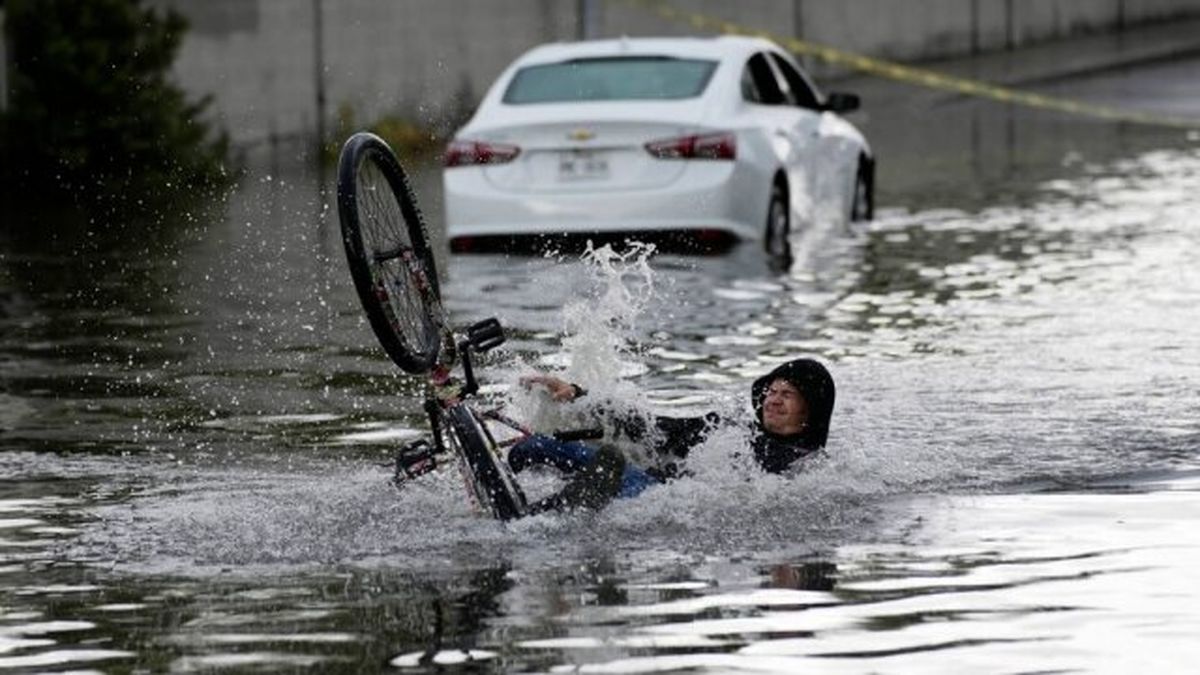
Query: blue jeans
[{"x": 571, "y": 456}]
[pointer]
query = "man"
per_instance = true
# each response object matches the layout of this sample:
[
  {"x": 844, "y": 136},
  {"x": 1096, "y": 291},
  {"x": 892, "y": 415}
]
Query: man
[{"x": 792, "y": 405}]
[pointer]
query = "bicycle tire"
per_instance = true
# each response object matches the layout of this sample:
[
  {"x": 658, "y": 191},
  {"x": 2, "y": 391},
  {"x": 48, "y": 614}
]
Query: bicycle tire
[
  {"x": 491, "y": 481},
  {"x": 388, "y": 253}
]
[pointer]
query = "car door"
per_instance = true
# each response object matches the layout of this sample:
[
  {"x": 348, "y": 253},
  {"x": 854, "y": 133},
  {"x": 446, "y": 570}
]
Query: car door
[
  {"x": 791, "y": 126},
  {"x": 831, "y": 160}
]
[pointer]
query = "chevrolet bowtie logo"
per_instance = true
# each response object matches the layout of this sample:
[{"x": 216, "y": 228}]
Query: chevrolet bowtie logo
[{"x": 581, "y": 135}]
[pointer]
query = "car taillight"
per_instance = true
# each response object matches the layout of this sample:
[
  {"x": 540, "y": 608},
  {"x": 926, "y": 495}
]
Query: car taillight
[
  {"x": 706, "y": 146},
  {"x": 470, "y": 153}
]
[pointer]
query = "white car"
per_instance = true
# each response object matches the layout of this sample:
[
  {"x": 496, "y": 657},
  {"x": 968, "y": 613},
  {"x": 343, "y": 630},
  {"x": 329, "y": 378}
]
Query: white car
[{"x": 708, "y": 140}]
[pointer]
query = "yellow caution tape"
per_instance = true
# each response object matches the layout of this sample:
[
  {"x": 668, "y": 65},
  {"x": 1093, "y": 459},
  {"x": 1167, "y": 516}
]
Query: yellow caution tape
[{"x": 919, "y": 76}]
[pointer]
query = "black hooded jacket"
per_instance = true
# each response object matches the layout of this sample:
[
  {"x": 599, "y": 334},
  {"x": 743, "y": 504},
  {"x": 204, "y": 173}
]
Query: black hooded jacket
[
  {"x": 773, "y": 452},
  {"x": 595, "y": 484}
]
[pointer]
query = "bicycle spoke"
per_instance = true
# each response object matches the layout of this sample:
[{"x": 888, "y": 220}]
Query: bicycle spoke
[
  {"x": 395, "y": 266},
  {"x": 394, "y": 272}
]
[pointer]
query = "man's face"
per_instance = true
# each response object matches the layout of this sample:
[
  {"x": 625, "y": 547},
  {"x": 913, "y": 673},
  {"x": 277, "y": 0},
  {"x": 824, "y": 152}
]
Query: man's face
[{"x": 784, "y": 410}]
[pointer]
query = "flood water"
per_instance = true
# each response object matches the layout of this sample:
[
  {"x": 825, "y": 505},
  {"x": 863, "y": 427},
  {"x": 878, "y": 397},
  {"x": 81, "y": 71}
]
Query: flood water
[{"x": 191, "y": 430}]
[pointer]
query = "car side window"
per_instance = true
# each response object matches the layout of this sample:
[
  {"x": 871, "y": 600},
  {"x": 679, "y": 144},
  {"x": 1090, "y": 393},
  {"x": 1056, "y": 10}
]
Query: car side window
[
  {"x": 750, "y": 92},
  {"x": 759, "y": 84},
  {"x": 802, "y": 92}
]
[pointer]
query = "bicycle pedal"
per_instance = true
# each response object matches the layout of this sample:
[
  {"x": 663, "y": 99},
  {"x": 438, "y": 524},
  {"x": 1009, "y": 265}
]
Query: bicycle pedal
[
  {"x": 413, "y": 460},
  {"x": 485, "y": 335}
]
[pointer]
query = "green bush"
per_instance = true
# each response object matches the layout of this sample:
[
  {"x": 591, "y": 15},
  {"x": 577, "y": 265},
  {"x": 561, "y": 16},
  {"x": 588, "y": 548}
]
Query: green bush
[
  {"x": 92, "y": 113},
  {"x": 404, "y": 136}
]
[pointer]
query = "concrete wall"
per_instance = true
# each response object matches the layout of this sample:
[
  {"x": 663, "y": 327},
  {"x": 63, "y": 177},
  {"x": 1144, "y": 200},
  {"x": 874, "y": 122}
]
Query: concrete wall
[
  {"x": 1138, "y": 11},
  {"x": 430, "y": 61},
  {"x": 3, "y": 64},
  {"x": 942, "y": 27},
  {"x": 426, "y": 60}
]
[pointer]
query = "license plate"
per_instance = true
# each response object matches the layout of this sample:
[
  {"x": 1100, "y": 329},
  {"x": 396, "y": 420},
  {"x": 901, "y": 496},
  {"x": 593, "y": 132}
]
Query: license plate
[{"x": 582, "y": 165}]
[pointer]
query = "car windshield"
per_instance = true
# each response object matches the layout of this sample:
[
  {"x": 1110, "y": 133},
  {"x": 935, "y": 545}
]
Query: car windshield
[{"x": 610, "y": 79}]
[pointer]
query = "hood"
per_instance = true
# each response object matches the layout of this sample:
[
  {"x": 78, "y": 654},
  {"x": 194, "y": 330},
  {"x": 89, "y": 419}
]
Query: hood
[{"x": 814, "y": 383}]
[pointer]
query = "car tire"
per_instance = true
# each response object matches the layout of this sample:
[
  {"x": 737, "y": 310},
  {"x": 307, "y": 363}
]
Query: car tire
[
  {"x": 862, "y": 204},
  {"x": 779, "y": 223}
]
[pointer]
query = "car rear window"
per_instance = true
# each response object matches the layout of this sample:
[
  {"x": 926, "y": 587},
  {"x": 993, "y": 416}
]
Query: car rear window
[{"x": 610, "y": 79}]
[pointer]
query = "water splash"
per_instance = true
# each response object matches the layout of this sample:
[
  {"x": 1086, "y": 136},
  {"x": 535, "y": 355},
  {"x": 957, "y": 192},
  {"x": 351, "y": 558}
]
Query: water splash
[
  {"x": 964, "y": 420},
  {"x": 599, "y": 326},
  {"x": 599, "y": 347}
]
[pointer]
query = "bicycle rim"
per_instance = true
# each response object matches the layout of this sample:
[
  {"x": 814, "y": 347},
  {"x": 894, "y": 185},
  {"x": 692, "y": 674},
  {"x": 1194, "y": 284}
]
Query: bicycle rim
[
  {"x": 389, "y": 257},
  {"x": 489, "y": 478}
]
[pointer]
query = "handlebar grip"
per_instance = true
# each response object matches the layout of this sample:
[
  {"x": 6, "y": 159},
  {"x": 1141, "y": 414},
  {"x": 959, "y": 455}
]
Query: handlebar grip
[{"x": 579, "y": 434}]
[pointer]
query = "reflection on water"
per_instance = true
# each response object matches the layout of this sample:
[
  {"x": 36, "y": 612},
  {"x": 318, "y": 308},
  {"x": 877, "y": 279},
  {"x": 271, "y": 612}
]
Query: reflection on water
[
  {"x": 190, "y": 430},
  {"x": 963, "y": 583}
]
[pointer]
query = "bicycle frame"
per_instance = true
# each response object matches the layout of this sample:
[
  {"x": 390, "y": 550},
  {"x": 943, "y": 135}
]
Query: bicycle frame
[
  {"x": 395, "y": 277},
  {"x": 488, "y": 478},
  {"x": 490, "y": 481}
]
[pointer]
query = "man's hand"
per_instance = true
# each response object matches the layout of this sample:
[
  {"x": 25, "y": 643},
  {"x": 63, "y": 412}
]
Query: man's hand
[{"x": 560, "y": 390}]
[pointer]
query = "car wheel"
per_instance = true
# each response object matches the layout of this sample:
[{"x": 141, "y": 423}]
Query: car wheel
[
  {"x": 778, "y": 223},
  {"x": 863, "y": 205}
]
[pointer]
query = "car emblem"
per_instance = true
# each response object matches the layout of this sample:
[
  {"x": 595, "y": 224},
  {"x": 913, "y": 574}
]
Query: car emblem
[{"x": 581, "y": 135}]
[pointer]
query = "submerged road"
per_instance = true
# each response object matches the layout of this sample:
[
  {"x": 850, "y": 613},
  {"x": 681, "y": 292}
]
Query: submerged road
[{"x": 189, "y": 435}]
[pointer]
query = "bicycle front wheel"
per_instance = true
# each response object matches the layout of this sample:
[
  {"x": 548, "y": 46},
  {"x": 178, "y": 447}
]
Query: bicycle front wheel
[
  {"x": 388, "y": 252},
  {"x": 489, "y": 478}
]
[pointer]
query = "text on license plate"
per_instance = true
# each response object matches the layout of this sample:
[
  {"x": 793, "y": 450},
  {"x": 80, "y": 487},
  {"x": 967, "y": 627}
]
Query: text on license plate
[{"x": 582, "y": 165}]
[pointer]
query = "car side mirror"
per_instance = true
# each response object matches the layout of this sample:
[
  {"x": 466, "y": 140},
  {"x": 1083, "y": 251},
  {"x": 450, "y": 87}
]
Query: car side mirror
[{"x": 840, "y": 102}]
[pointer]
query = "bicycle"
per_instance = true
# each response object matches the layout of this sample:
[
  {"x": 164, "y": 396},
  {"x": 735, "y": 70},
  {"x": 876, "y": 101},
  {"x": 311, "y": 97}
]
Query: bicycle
[{"x": 395, "y": 276}]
